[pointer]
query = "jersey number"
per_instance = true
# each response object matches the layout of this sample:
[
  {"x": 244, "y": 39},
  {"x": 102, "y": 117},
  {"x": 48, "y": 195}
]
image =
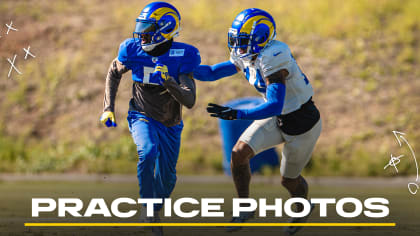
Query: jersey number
[
  {"x": 146, "y": 74},
  {"x": 254, "y": 77}
]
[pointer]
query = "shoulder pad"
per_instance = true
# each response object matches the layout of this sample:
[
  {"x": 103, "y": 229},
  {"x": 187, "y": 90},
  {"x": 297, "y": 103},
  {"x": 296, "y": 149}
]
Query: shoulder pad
[{"x": 126, "y": 48}]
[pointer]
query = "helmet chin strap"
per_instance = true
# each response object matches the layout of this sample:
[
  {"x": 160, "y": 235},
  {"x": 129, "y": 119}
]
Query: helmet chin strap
[
  {"x": 248, "y": 57},
  {"x": 245, "y": 57},
  {"x": 150, "y": 47}
]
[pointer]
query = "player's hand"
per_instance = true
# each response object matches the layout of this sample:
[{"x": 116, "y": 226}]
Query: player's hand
[
  {"x": 108, "y": 119},
  {"x": 161, "y": 72},
  {"x": 222, "y": 112}
]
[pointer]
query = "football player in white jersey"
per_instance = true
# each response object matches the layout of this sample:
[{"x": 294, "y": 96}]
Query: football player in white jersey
[{"x": 287, "y": 116}]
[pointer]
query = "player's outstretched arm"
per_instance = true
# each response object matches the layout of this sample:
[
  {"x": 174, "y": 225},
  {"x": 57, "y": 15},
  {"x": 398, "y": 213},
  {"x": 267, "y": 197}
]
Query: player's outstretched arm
[
  {"x": 276, "y": 92},
  {"x": 215, "y": 72},
  {"x": 112, "y": 81},
  {"x": 184, "y": 92}
]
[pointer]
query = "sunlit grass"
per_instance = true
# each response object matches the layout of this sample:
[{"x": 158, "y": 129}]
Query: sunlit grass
[{"x": 362, "y": 47}]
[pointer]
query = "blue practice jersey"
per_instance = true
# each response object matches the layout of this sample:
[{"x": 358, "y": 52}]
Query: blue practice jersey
[{"x": 181, "y": 58}]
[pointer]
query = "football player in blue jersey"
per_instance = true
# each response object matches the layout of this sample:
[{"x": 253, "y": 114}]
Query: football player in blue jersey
[
  {"x": 288, "y": 115},
  {"x": 162, "y": 73}
]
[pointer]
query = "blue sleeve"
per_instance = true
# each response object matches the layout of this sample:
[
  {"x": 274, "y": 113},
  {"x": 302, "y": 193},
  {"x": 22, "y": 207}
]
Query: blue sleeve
[
  {"x": 125, "y": 50},
  {"x": 273, "y": 107},
  {"x": 215, "y": 72},
  {"x": 191, "y": 61}
]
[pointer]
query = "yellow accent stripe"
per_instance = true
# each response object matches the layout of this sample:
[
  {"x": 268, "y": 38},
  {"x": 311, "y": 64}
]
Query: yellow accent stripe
[
  {"x": 209, "y": 224},
  {"x": 247, "y": 26},
  {"x": 271, "y": 28},
  {"x": 158, "y": 13}
]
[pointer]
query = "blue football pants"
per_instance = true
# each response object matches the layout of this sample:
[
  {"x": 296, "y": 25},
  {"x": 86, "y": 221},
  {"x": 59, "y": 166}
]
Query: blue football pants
[{"x": 158, "y": 150}]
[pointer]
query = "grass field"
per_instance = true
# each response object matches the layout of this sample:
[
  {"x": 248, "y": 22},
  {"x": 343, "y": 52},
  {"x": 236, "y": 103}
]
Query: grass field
[
  {"x": 361, "y": 57},
  {"x": 15, "y": 208}
]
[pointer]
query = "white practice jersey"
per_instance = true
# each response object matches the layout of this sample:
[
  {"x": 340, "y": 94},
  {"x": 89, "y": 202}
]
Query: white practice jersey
[{"x": 274, "y": 57}]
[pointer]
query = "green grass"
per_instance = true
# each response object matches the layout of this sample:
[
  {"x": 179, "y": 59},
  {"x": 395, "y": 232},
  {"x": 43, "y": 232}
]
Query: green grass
[
  {"x": 360, "y": 56},
  {"x": 15, "y": 208}
]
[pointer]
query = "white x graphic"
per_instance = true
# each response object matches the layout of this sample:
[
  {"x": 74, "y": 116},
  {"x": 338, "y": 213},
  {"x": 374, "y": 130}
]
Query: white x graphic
[
  {"x": 12, "y": 63},
  {"x": 10, "y": 27},
  {"x": 28, "y": 52}
]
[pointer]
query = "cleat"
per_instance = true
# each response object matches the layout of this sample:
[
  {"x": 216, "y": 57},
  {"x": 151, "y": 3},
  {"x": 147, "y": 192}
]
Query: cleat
[
  {"x": 156, "y": 230},
  {"x": 291, "y": 230},
  {"x": 243, "y": 217},
  {"x": 144, "y": 219}
]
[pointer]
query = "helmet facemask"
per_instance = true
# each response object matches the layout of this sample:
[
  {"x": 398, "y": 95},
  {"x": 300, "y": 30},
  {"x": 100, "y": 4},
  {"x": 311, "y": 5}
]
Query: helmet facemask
[
  {"x": 147, "y": 34},
  {"x": 241, "y": 44}
]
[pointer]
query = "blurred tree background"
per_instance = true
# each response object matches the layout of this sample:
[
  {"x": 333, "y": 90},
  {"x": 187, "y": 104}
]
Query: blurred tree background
[{"x": 361, "y": 56}]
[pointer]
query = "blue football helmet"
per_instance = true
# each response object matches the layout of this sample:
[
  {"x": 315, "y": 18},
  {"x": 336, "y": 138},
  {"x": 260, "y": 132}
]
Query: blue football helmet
[
  {"x": 251, "y": 31},
  {"x": 159, "y": 22}
]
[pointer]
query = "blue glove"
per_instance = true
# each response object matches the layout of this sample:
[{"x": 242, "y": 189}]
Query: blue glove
[{"x": 108, "y": 119}]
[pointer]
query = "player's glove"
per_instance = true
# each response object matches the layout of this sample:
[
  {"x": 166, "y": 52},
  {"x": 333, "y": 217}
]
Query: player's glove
[
  {"x": 222, "y": 112},
  {"x": 161, "y": 73},
  {"x": 108, "y": 119}
]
